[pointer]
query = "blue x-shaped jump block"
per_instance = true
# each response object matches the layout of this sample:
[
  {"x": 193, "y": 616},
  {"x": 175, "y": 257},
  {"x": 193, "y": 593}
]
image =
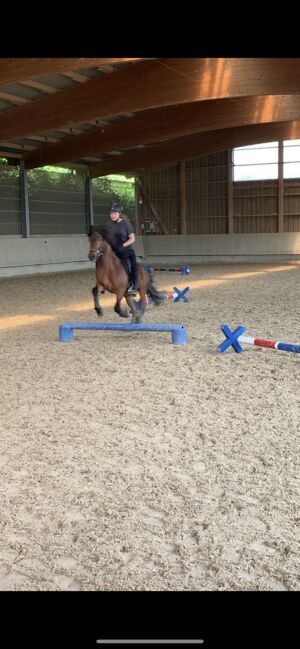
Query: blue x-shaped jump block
[
  {"x": 185, "y": 270},
  {"x": 180, "y": 295},
  {"x": 231, "y": 338}
]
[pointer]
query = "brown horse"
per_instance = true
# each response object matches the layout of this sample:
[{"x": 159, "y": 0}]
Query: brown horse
[{"x": 111, "y": 276}]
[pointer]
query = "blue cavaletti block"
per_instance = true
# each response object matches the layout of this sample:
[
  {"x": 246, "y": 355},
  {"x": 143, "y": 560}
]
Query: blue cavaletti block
[
  {"x": 65, "y": 334},
  {"x": 178, "y": 332}
]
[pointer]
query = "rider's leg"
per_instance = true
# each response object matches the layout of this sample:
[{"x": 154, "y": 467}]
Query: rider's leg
[
  {"x": 125, "y": 259},
  {"x": 134, "y": 268},
  {"x": 124, "y": 262}
]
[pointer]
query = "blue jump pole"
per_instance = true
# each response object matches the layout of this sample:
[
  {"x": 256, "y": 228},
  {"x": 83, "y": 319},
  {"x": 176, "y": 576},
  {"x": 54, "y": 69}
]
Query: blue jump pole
[
  {"x": 184, "y": 270},
  {"x": 178, "y": 332}
]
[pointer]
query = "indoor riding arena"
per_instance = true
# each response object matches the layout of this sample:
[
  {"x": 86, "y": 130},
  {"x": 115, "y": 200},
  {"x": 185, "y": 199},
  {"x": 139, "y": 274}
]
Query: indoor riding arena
[{"x": 133, "y": 460}]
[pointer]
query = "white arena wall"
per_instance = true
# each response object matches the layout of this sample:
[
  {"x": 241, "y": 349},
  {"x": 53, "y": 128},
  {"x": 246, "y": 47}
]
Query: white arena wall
[{"x": 44, "y": 254}]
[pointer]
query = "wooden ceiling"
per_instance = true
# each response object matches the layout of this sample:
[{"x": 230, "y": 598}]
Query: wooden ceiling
[{"x": 110, "y": 115}]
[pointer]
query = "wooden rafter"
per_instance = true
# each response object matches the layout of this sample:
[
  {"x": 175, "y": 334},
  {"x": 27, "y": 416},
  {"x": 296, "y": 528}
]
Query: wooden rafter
[
  {"x": 14, "y": 99},
  {"x": 197, "y": 145},
  {"x": 44, "y": 138},
  {"x": 23, "y": 147},
  {"x": 171, "y": 122},
  {"x": 12, "y": 70},
  {"x": 10, "y": 154},
  {"x": 75, "y": 76},
  {"x": 107, "y": 69},
  {"x": 151, "y": 84},
  {"x": 42, "y": 87},
  {"x": 70, "y": 131}
]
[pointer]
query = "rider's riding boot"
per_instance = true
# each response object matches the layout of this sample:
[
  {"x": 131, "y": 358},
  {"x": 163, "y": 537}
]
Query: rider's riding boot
[{"x": 131, "y": 289}]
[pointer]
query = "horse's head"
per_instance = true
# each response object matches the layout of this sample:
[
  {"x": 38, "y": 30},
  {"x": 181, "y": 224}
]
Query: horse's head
[
  {"x": 101, "y": 240},
  {"x": 98, "y": 246}
]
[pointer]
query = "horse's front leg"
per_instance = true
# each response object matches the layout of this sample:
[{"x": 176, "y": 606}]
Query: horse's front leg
[
  {"x": 121, "y": 312},
  {"x": 98, "y": 308}
]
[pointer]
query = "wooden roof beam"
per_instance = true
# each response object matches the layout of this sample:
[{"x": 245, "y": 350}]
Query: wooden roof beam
[
  {"x": 196, "y": 145},
  {"x": 107, "y": 69},
  {"x": 80, "y": 78},
  {"x": 12, "y": 70},
  {"x": 22, "y": 147},
  {"x": 14, "y": 99},
  {"x": 151, "y": 84},
  {"x": 170, "y": 122},
  {"x": 11, "y": 154},
  {"x": 42, "y": 87}
]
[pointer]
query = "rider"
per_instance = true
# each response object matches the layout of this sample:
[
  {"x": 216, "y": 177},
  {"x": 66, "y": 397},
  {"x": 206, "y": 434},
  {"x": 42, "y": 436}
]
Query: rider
[{"x": 124, "y": 236}]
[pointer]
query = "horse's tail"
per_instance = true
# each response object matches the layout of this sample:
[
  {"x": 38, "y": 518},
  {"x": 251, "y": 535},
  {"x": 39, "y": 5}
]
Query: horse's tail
[{"x": 157, "y": 296}]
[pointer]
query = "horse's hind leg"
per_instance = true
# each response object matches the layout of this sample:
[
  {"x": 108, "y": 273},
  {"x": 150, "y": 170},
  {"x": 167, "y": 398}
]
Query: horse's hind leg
[
  {"x": 143, "y": 294},
  {"x": 137, "y": 315},
  {"x": 98, "y": 309},
  {"x": 121, "y": 312}
]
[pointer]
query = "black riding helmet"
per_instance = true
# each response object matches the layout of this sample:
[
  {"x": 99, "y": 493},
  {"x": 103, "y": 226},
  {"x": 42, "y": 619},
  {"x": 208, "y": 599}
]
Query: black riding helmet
[{"x": 116, "y": 207}]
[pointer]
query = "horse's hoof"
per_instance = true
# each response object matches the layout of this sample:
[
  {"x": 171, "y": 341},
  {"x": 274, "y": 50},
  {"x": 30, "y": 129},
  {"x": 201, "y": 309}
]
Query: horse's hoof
[
  {"x": 99, "y": 312},
  {"x": 122, "y": 313},
  {"x": 138, "y": 319}
]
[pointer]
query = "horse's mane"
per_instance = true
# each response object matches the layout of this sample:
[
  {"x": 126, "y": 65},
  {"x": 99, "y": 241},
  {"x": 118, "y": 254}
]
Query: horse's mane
[{"x": 105, "y": 232}]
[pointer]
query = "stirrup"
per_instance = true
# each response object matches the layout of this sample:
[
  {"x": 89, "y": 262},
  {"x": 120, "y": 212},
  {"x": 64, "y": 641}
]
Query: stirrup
[{"x": 131, "y": 290}]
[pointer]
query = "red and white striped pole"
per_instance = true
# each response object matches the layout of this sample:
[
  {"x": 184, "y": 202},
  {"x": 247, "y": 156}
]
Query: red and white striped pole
[{"x": 272, "y": 344}]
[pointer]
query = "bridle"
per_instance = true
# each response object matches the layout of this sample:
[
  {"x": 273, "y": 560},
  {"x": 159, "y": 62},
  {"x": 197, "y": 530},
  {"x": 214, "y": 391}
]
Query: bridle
[{"x": 95, "y": 254}]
